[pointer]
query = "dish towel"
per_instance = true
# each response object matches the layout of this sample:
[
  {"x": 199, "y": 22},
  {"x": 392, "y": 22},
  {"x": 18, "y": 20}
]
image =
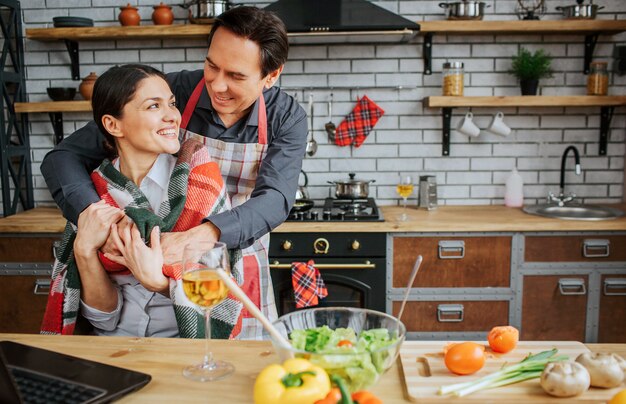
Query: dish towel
[
  {"x": 308, "y": 285},
  {"x": 358, "y": 124}
]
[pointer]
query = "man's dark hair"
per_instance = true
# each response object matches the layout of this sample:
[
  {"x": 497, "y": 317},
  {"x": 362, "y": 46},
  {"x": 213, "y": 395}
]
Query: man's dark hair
[
  {"x": 263, "y": 27},
  {"x": 113, "y": 90}
]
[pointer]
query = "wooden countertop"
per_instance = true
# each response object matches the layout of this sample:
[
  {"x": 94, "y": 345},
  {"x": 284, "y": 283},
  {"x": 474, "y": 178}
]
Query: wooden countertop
[
  {"x": 164, "y": 358},
  {"x": 479, "y": 218}
]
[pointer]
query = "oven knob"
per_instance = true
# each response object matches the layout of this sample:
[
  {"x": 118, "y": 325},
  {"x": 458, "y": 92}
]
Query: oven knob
[
  {"x": 321, "y": 246},
  {"x": 315, "y": 215},
  {"x": 287, "y": 245},
  {"x": 342, "y": 215},
  {"x": 326, "y": 215},
  {"x": 355, "y": 245}
]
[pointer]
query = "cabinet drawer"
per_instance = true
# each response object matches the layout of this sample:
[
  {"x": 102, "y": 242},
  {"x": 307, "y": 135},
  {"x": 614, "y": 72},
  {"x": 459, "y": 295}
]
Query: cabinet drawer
[
  {"x": 451, "y": 316},
  {"x": 554, "y": 307},
  {"x": 574, "y": 248},
  {"x": 612, "y": 309},
  {"x": 453, "y": 261},
  {"x": 24, "y": 302},
  {"x": 27, "y": 249}
]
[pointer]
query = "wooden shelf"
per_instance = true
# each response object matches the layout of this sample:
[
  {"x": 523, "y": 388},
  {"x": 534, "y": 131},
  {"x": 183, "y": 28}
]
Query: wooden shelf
[
  {"x": 53, "y": 106},
  {"x": 525, "y": 101},
  {"x": 580, "y": 27},
  {"x": 176, "y": 31}
]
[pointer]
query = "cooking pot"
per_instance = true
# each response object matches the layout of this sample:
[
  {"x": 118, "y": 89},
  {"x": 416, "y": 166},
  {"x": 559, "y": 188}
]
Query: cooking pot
[
  {"x": 464, "y": 10},
  {"x": 580, "y": 11},
  {"x": 302, "y": 192},
  {"x": 351, "y": 189},
  {"x": 205, "y": 11}
]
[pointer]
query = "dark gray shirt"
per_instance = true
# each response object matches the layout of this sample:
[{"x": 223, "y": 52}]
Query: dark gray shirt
[{"x": 66, "y": 168}]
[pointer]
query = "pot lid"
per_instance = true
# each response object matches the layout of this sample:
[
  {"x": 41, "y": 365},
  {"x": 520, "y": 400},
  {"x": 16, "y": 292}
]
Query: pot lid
[{"x": 353, "y": 181}]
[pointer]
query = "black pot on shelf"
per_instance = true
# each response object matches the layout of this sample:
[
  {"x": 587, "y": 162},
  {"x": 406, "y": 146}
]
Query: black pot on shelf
[{"x": 529, "y": 86}]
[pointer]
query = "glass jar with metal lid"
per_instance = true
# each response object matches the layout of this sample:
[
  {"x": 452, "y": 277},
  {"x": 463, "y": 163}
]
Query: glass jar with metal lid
[
  {"x": 453, "y": 78},
  {"x": 598, "y": 79}
]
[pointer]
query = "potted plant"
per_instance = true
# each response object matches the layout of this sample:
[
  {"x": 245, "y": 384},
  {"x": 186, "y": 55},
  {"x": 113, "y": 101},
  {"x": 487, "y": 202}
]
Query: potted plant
[{"x": 529, "y": 67}]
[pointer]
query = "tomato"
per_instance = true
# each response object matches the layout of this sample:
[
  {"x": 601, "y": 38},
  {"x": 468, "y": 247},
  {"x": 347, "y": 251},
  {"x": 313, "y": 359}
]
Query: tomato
[
  {"x": 465, "y": 358},
  {"x": 619, "y": 398},
  {"x": 503, "y": 339},
  {"x": 345, "y": 343}
]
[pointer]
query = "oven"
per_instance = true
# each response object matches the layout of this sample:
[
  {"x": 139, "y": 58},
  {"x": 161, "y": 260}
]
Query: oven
[{"x": 352, "y": 266}]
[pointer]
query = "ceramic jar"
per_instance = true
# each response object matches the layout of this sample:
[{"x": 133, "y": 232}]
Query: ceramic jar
[
  {"x": 162, "y": 15},
  {"x": 86, "y": 86},
  {"x": 129, "y": 15}
]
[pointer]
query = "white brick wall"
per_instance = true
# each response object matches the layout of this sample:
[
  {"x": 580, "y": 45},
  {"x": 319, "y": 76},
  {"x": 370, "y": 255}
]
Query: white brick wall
[{"x": 407, "y": 139}]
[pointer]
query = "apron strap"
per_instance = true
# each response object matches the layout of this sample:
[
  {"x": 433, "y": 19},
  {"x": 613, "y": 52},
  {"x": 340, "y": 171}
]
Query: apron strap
[{"x": 193, "y": 101}]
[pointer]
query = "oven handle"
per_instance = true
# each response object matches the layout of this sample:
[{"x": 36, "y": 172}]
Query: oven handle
[{"x": 366, "y": 265}]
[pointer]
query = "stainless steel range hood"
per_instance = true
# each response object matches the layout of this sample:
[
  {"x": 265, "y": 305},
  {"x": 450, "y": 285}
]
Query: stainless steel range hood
[{"x": 341, "y": 21}]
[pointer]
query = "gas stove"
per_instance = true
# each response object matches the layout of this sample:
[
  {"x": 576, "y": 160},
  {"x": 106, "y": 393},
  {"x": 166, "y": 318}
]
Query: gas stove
[{"x": 340, "y": 210}]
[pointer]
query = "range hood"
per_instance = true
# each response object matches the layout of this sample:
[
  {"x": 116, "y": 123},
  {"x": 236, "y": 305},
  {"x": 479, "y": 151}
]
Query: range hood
[{"x": 341, "y": 21}]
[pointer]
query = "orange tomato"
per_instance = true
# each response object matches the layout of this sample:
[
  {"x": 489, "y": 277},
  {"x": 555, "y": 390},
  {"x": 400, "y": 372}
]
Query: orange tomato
[
  {"x": 465, "y": 358},
  {"x": 345, "y": 342},
  {"x": 503, "y": 339}
]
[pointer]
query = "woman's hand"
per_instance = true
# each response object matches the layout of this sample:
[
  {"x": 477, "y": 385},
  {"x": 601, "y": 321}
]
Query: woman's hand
[
  {"x": 145, "y": 263},
  {"x": 94, "y": 226}
]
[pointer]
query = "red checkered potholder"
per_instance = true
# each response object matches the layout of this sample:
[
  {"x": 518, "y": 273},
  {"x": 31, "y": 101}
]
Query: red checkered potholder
[
  {"x": 308, "y": 285},
  {"x": 358, "y": 124}
]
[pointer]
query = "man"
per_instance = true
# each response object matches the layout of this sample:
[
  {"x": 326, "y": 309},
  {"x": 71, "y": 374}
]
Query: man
[{"x": 254, "y": 131}]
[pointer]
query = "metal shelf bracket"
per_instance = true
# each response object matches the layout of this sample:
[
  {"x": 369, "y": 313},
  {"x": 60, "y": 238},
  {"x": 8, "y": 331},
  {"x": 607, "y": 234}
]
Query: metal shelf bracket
[
  {"x": 606, "y": 114},
  {"x": 72, "y": 48},
  {"x": 56, "y": 118},
  {"x": 446, "y": 115},
  {"x": 427, "y": 54},
  {"x": 590, "y": 45}
]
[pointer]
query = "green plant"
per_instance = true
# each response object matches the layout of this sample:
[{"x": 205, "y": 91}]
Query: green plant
[{"x": 531, "y": 66}]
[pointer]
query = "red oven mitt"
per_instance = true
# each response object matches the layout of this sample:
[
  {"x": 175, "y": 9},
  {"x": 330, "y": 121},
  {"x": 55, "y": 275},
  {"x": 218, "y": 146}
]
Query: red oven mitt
[
  {"x": 358, "y": 124},
  {"x": 308, "y": 285}
]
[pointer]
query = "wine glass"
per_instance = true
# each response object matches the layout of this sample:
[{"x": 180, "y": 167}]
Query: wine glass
[
  {"x": 404, "y": 189},
  {"x": 205, "y": 289}
]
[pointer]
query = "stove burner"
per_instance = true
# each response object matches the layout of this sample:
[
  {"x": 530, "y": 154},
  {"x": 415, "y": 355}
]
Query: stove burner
[
  {"x": 353, "y": 207},
  {"x": 337, "y": 210}
]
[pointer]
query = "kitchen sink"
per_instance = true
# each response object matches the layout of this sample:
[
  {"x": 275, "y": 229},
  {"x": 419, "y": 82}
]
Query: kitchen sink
[{"x": 574, "y": 211}]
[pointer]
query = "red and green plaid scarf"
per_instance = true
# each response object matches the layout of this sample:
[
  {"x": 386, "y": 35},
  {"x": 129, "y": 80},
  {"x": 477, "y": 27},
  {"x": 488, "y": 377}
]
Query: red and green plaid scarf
[{"x": 196, "y": 190}]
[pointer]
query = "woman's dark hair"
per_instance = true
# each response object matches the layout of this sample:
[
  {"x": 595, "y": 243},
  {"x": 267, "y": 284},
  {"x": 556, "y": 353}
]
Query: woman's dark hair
[
  {"x": 263, "y": 27},
  {"x": 113, "y": 90}
]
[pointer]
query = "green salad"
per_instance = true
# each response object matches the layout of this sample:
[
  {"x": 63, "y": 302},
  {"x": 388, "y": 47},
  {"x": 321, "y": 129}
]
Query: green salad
[{"x": 342, "y": 353}]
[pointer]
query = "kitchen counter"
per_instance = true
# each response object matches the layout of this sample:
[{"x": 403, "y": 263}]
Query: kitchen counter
[
  {"x": 164, "y": 358},
  {"x": 478, "y": 218}
]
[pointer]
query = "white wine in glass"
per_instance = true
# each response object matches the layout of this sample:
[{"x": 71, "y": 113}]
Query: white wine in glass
[
  {"x": 404, "y": 189},
  {"x": 203, "y": 286}
]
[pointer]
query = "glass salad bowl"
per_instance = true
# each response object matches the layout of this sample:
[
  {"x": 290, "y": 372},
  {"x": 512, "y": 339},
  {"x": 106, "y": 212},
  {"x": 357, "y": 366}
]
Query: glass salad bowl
[{"x": 357, "y": 344}]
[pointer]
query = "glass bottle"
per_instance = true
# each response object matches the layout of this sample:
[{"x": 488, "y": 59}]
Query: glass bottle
[
  {"x": 453, "y": 78},
  {"x": 598, "y": 79}
]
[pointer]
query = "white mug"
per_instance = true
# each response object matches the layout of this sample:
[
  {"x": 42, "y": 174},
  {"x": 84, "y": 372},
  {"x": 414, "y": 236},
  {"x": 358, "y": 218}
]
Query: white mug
[
  {"x": 498, "y": 126},
  {"x": 467, "y": 126}
]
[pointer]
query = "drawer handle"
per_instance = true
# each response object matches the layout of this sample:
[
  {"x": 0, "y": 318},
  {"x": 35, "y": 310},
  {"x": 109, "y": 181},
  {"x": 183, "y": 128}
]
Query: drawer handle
[
  {"x": 594, "y": 248},
  {"x": 572, "y": 286},
  {"x": 365, "y": 265},
  {"x": 615, "y": 283},
  {"x": 55, "y": 246},
  {"x": 450, "y": 313},
  {"x": 42, "y": 287},
  {"x": 454, "y": 249}
]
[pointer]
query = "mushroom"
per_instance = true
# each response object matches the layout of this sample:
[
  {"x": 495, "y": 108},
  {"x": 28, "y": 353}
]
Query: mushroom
[
  {"x": 604, "y": 369},
  {"x": 565, "y": 379}
]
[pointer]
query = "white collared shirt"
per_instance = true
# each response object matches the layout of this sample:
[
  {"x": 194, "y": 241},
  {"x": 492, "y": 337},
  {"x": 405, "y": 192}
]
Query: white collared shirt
[{"x": 139, "y": 312}]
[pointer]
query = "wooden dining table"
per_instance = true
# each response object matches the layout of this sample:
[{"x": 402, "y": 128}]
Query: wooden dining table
[{"x": 164, "y": 359}]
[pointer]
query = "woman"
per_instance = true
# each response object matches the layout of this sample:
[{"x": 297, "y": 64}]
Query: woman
[{"x": 134, "y": 107}]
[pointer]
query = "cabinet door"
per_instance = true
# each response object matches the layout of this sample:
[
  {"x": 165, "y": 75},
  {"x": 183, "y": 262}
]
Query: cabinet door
[
  {"x": 24, "y": 302},
  {"x": 453, "y": 316},
  {"x": 453, "y": 261},
  {"x": 27, "y": 249},
  {"x": 596, "y": 248},
  {"x": 612, "y": 309},
  {"x": 554, "y": 307}
]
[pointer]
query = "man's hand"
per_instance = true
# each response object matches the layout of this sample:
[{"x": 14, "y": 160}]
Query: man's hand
[
  {"x": 145, "y": 263},
  {"x": 94, "y": 227},
  {"x": 173, "y": 244}
]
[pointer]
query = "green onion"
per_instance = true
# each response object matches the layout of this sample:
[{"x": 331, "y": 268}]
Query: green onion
[{"x": 530, "y": 367}]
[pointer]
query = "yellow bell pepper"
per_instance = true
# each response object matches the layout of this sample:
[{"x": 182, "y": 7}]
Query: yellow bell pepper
[{"x": 296, "y": 381}]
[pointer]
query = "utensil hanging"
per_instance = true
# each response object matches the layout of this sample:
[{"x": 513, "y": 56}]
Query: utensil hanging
[
  {"x": 330, "y": 127},
  {"x": 311, "y": 145}
]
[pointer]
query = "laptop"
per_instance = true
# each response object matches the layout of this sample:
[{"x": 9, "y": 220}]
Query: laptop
[{"x": 31, "y": 375}]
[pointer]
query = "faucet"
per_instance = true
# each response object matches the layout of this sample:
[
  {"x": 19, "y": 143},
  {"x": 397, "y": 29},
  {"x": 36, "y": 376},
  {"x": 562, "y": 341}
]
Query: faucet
[{"x": 561, "y": 200}]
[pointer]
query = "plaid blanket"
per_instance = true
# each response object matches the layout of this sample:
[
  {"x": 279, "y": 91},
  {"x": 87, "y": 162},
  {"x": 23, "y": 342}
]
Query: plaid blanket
[{"x": 196, "y": 190}]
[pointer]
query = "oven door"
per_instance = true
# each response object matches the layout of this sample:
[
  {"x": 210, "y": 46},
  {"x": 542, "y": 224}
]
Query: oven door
[{"x": 351, "y": 282}]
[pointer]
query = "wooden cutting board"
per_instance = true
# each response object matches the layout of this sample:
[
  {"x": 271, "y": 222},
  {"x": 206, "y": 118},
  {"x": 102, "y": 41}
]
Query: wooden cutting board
[{"x": 424, "y": 371}]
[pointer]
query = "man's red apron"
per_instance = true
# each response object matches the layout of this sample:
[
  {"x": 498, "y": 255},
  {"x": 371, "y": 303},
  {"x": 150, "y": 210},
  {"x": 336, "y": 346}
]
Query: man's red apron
[{"x": 239, "y": 164}]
